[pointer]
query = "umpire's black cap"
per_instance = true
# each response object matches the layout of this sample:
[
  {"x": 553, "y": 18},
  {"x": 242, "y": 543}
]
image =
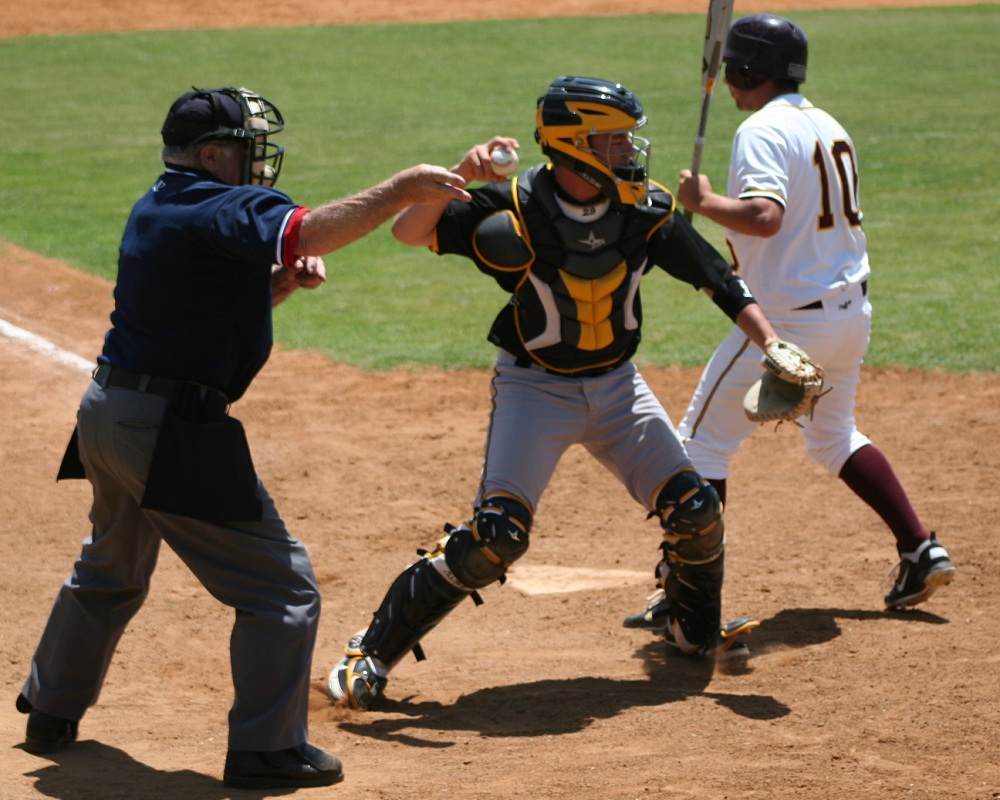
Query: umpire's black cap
[{"x": 204, "y": 114}]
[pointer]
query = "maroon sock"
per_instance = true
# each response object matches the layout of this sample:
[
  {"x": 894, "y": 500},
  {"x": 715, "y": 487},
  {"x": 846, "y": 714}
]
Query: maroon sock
[{"x": 869, "y": 475}]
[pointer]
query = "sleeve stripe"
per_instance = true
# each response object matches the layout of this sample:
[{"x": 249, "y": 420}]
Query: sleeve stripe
[{"x": 288, "y": 240}]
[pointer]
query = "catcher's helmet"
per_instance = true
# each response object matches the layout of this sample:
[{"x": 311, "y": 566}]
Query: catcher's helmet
[
  {"x": 571, "y": 111},
  {"x": 204, "y": 115},
  {"x": 764, "y": 47}
]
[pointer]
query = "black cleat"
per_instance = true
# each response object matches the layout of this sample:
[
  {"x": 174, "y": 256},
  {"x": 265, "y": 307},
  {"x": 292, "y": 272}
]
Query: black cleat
[
  {"x": 918, "y": 575},
  {"x": 658, "y": 619},
  {"x": 358, "y": 679}
]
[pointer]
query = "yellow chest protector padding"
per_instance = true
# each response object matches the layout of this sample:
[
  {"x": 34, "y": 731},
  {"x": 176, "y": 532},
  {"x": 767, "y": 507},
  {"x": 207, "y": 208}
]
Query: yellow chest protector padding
[
  {"x": 594, "y": 304},
  {"x": 574, "y": 279},
  {"x": 581, "y": 273},
  {"x": 588, "y": 275}
]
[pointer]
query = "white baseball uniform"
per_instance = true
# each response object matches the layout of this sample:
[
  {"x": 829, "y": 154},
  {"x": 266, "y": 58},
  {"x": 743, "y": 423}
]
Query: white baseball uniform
[{"x": 811, "y": 280}]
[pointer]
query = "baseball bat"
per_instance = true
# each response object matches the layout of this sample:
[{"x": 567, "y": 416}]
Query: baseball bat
[{"x": 720, "y": 16}]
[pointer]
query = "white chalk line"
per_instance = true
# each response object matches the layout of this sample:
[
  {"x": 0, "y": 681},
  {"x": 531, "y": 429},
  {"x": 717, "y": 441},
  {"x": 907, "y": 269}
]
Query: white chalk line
[{"x": 45, "y": 347}]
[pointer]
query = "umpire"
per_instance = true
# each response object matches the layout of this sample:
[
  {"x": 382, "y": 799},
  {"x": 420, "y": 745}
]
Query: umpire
[{"x": 206, "y": 253}]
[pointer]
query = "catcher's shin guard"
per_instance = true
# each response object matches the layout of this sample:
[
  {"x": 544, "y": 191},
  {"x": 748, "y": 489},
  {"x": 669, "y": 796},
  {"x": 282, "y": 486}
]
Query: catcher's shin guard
[
  {"x": 693, "y": 566},
  {"x": 468, "y": 558},
  {"x": 418, "y": 599}
]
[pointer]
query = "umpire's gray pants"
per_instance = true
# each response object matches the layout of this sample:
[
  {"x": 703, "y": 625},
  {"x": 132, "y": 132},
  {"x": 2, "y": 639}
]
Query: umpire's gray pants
[{"x": 257, "y": 568}]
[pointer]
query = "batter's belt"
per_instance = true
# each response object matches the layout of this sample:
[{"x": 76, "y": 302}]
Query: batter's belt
[{"x": 819, "y": 303}]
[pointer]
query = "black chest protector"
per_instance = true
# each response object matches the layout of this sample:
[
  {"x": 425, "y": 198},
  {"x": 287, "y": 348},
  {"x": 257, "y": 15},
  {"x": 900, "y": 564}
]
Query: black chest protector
[{"x": 575, "y": 307}]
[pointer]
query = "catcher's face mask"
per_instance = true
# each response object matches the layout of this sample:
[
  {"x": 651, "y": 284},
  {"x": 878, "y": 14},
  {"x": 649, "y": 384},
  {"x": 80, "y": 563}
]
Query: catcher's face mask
[{"x": 626, "y": 157}]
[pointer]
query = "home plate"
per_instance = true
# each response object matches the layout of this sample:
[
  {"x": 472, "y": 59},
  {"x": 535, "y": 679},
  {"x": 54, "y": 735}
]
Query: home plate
[{"x": 540, "y": 579}]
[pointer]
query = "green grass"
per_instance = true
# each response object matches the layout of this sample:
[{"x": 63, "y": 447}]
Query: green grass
[{"x": 917, "y": 89}]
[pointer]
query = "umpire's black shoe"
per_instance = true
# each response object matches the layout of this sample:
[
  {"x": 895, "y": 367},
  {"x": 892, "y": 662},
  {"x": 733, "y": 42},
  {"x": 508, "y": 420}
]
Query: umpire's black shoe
[
  {"x": 46, "y": 733},
  {"x": 296, "y": 767}
]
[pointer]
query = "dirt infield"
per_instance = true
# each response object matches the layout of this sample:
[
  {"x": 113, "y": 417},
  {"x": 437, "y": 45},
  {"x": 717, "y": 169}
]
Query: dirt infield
[
  {"x": 540, "y": 693},
  {"x": 30, "y": 17}
]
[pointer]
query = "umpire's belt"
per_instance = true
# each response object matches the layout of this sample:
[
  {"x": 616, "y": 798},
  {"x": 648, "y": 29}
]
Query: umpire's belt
[
  {"x": 107, "y": 375},
  {"x": 819, "y": 303}
]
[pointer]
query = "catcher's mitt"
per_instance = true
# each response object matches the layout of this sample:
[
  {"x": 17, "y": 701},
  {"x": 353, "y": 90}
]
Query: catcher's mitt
[{"x": 788, "y": 390}]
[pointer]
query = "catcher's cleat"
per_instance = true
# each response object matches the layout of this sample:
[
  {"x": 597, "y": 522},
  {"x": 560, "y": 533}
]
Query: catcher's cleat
[
  {"x": 730, "y": 637},
  {"x": 358, "y": 679},
  {"x": 918, "y": 575},
  {"x": 655, "y": 617},
  {"x": 727, "y": 644}
]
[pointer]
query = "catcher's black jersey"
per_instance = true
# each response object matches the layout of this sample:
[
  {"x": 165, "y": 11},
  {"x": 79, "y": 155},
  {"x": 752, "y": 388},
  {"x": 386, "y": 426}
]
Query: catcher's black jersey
[{"x": 573, "y": 272}]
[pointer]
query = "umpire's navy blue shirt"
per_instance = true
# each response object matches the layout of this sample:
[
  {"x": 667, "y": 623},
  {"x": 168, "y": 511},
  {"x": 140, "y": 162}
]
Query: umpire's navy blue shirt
[{"x": 193, "y": 296}]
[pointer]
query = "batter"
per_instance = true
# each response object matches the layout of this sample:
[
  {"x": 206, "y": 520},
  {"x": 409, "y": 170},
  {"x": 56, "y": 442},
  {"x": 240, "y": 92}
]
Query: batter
[{"x": 794, "y": 225}]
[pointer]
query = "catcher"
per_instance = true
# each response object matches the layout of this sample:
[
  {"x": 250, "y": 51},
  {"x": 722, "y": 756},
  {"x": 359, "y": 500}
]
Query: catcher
[{"x": 569, "y": 242}]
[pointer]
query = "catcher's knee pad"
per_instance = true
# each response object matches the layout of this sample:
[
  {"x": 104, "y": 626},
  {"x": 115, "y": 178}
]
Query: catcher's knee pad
[
  {"x": 693, "y": 547},
  {"x": 691, "y": 517},
  {"x": 478, "y": 554}
]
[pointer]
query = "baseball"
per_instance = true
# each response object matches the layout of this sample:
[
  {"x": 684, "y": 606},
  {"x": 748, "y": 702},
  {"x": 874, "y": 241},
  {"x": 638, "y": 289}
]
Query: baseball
[{"x": 504, "y": 162}]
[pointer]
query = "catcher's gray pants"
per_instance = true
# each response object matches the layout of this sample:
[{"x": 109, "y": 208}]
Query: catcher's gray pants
[
  {"x": 257, "y": 568},
  {"x": 616, "y": 417}
]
